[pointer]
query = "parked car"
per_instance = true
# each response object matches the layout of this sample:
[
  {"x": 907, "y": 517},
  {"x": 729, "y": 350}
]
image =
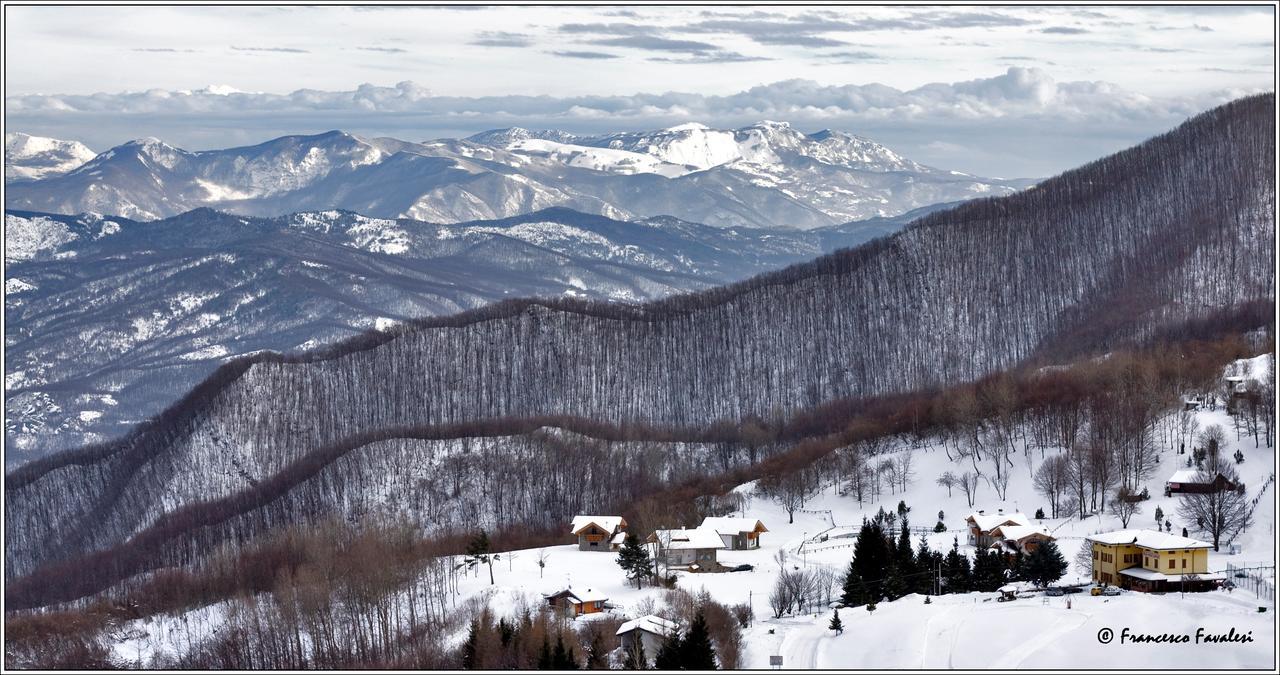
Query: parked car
[
  {"x": 742, "y": 568},
  {"x": 1054, "y": 592},
  {"x": 1096, "y": 590},
  {"x": 1072, "y": 589},
  {"x": 1111, "y": 590},
  {"x": 1241, "y": 575}
]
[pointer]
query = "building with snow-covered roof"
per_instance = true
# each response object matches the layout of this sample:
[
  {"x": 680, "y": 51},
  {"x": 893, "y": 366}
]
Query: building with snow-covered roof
[
  {"x": 736, "y": 533},
  {"x": 1194, "y": 481},
  {"x": 1020, "y": 538},
  {"x": 1150, "y": 560},
  {"x": 598, "y": 533},
  {"x": 576, "y": 603},
  {"x": 980, "y": 524},
  {"x": 646, "y": 634},
  {"x": 687, "y": 548}
]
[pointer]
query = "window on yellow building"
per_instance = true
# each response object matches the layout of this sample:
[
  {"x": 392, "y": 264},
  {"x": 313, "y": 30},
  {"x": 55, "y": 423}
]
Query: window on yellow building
[{"x": 1170, "y": 564}]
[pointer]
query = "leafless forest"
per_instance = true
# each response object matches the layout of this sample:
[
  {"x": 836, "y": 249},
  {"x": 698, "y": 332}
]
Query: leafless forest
[{"x": 485, "y": 416}]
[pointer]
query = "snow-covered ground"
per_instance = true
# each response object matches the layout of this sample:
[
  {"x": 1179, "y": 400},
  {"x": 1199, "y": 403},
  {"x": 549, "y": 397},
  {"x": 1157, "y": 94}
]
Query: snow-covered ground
[{"x": 954, "y": 631}]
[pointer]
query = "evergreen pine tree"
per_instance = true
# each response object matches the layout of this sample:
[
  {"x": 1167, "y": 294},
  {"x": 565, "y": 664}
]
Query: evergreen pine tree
[
  {"x": 1044, "y": 565},
  {"x": 836, "y": 624},
  {"x": 956, "y": 569},
  {"x": 597, "y": 657},
  {"x": 634, "y": 559},
  {"x": 696, "y": 652},
  {"x": 852, "y": 589},
  {"x": 668, "y": 656},
  {"x": 506, "y": 632},
  {"x": 544, "y": 655},
  {"x": 469, "y": 647},
  {"x": 894, "y": 585},
  {"x": 561, "y": 658},
  {"x": 478, "y": 552},
  {"x": 871, "y": 555},
  {"x": 988, "y": 570},
  {"x": 926, "y": 564}
]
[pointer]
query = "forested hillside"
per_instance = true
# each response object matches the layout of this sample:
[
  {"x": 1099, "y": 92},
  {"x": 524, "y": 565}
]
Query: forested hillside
[
  {"x": 109, "y": 320},
  {"x": 1179, "y": 229}
]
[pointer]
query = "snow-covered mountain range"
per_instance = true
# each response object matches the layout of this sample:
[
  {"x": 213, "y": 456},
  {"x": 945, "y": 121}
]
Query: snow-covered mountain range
[
  {"x": 35, "y": 157},
  {"x": 766, "y": 175},
  {"x": 110, "y": 320}
]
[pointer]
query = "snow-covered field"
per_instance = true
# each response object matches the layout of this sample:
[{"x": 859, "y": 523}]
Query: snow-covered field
[{"x": 954, "y": 631}]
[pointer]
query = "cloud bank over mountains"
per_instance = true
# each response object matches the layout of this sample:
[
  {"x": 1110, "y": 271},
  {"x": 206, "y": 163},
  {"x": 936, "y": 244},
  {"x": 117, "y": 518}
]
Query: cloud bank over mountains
[{"x": 938, "y": 122}]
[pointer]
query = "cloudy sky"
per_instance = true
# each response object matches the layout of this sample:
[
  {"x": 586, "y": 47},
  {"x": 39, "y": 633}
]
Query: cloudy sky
[{"x": 1001, "y": 90}]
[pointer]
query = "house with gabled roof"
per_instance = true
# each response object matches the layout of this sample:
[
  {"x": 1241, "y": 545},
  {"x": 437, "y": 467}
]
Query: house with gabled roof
[
  {"x": 694, "y": 548},
  {"x": 576, "y": 603},
  {"x": 599, "y": 533},
  {"x": 737, "y": 533},
  {"x": 980, "y": 525},
  {"x": 1150, "y": 560},
  {"x": 646, "y": 634},
  {"x": 1194, "y": 481},
  {"x": 1023, "y": 539}
]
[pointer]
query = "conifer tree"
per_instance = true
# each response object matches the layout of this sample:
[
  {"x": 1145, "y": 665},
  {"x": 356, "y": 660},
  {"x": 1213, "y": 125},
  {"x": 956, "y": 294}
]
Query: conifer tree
[
  {"x": 469, "y": 647},
  {"x": 478, "y": 552},
  {"x": 597, "y": 657},
  {"x": 852, "y": 590},
  {"x": 562, "y": 658},
  {"x": 634, "y": 560},
  {"x": 1044, "y": 565},
  {"x": 544, "y": 655},
  {"x": 668, "y": 656},
  {"x": 836, "y": 625},
  {"x": 956, "y": 569},
  {"x": 696, "y": 652}
]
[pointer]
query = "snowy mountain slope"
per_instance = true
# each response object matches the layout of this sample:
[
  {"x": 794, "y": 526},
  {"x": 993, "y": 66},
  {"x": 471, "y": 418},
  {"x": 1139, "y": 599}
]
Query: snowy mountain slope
[
  {"x": 906, "y": 633},
  {"x": 1096, "y": 258},
  {"x": 29, "y": 157},
  {"x": 767, "y": 176},
  {"x": 110, "y": 319}
]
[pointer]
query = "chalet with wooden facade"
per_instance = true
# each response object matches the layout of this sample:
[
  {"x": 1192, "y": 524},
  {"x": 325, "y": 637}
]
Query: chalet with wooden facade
[
  {"x": 982, "y": 524},
  {"x": 1013, "y": 539},
  {"x": 574, "y": 604},
  {"x": 738, "y": 534},
  {"x": 599, "y": 533},
  {"x": 694, "y": 548},
  {"x": 1194, "y": 481},
  {"x": 1149, "y": 560}
]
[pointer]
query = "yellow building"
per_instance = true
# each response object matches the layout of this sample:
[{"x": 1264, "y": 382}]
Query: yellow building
[{"x": 1147, "y": 560}]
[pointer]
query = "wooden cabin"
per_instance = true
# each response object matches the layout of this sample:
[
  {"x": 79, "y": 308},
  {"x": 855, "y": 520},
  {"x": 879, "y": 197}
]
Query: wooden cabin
[
  {"x": 599, "y": 533},
  {"x": 1193, "y": 481},
  {"x": 981, "y": 524},
  {"x": 1023, "y": 539},
  {"x": 574, "y": 604}
]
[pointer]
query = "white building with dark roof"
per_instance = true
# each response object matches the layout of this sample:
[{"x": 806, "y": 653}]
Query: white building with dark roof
[{"x": 736, "y": 533}]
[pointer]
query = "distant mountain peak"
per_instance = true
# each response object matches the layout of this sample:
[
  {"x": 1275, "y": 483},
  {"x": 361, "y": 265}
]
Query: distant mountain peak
[
  {"x": 30, "y": 157},
  {"x": 765, "y": 175},
  {"x": 689, "y": 126}
]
